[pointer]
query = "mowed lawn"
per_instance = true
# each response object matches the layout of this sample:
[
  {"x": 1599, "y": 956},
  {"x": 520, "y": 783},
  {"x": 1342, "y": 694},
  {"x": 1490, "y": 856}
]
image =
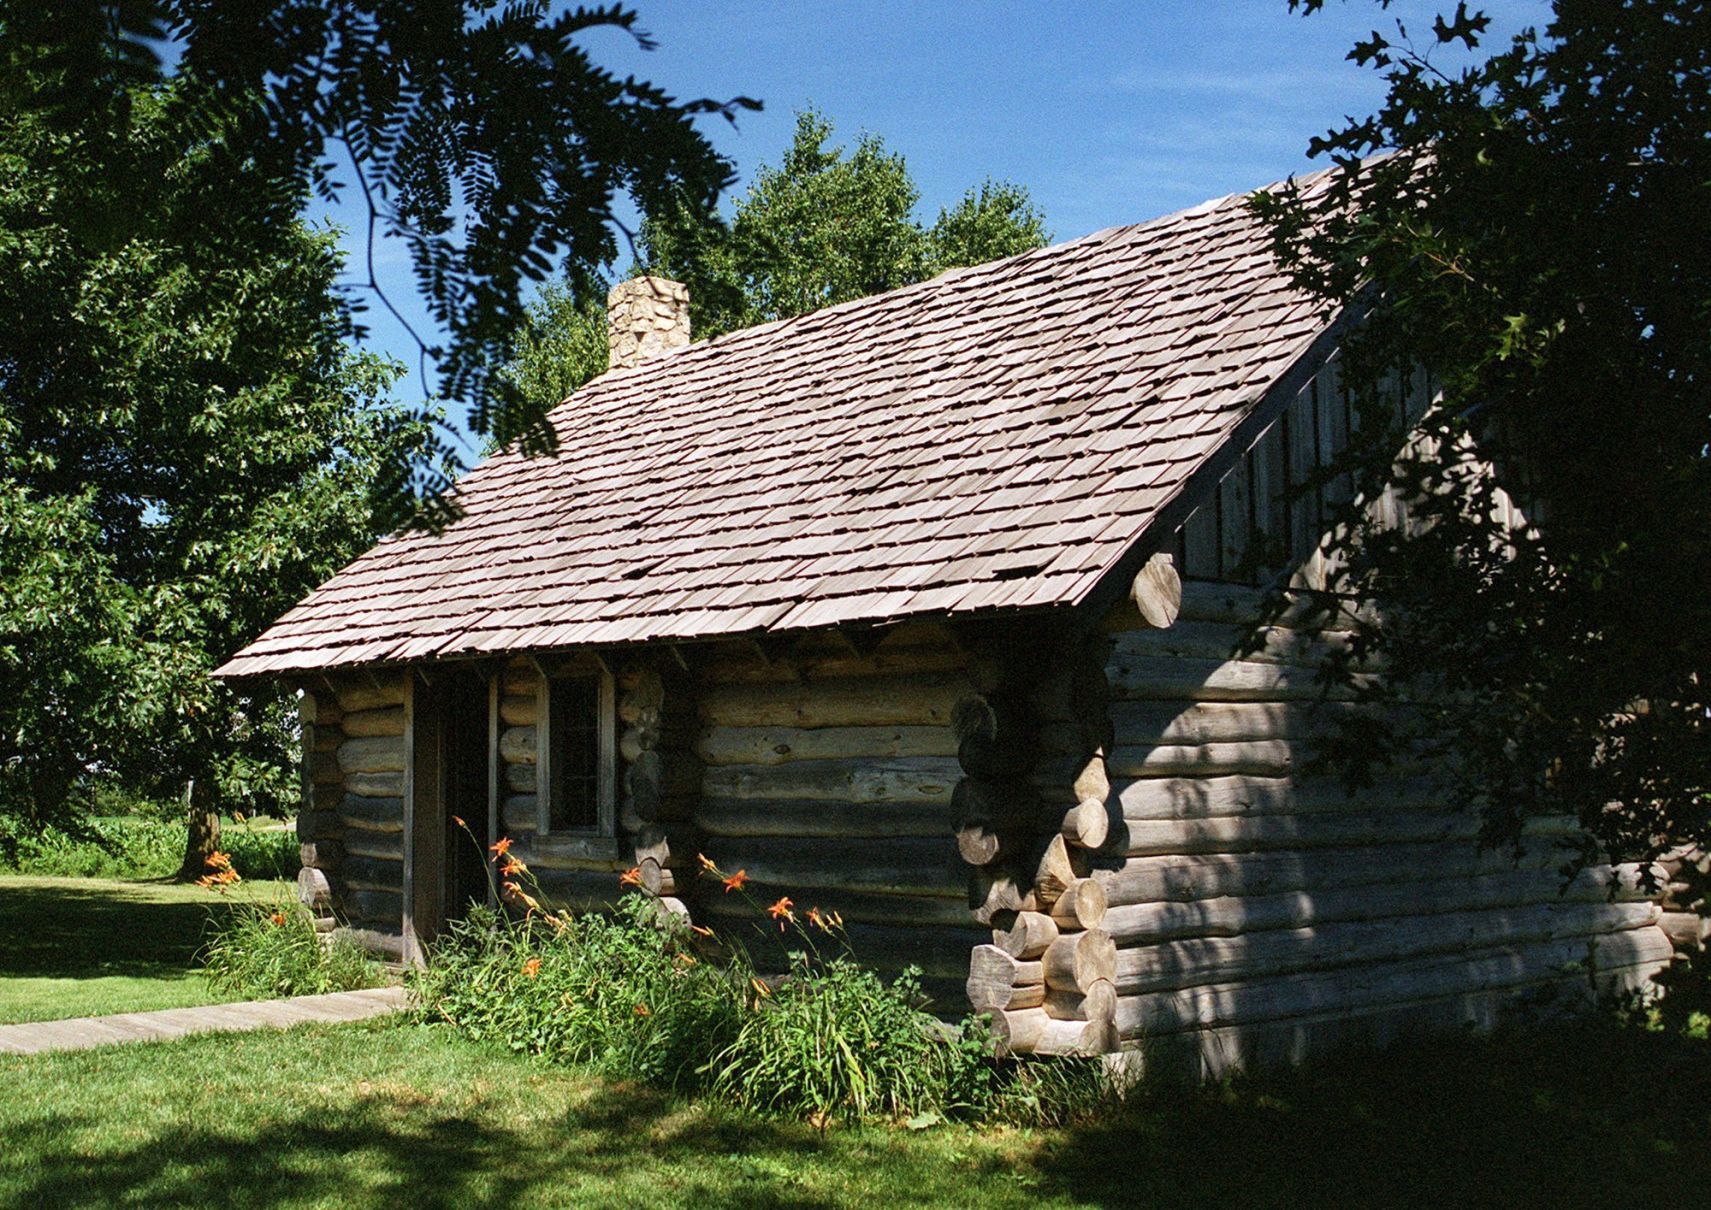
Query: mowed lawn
[
  {"x": 78, "y": 947},
  {"x": 394, "y": 1114}
]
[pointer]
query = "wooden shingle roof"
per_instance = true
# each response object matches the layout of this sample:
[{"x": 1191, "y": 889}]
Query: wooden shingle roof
[{"x": 998, "y": 438}]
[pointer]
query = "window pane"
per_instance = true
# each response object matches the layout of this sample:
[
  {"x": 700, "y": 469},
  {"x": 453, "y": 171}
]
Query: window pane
[{"x": 574, "y": 756}]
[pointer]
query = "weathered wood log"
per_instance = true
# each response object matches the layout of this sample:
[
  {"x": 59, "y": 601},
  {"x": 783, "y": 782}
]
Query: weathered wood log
[
  {"x": 519, "y": 779},
  {"x": 825, "y": 658},
  {"x": 1087, "y": 824},
  {"x": 856, "y": 907},
  {"x": 980, "y": 846},
  {"x": 375, "y": 754},
  {"x": 657, "y": 778},
  {"x": 937, "y": 952},
  {"x": 803, "y": 817},
  {"x": 1026, "y": 935},
  {"x": 675, "y": 846},
  {"x": 993, "y": 890},
  {"x": 998, "y": 981},
  {"x": 1135, "y": 677},
  {"x": 383, "y": 943},
  {"x": 656, "y": 879},
  {"x": 914, "y": 779},
  {"x": 1072, "y": 778},
  {"x": 375, "y": 785},
  {"x": 313, "y": 889},
  {"x": 1238, "y": 835},
  {"x": 1255, "y": 758},
  {"x": 372, "y": 873},
  {"x": 517, "y": 745},
  {"x": 1097, "y": 1003},
  {"x": 782, "y": 745},
  {"x": 519, "y": 813},
  {"x": 640, "y": 691},
  {"x": 1146, "y": 924},
  {"x": 519, "y": 709},
  {"x": 383, "y": 721},
  {"x": 372, "y": 906},
  {"x": 1177, "y": 798},
  {"x": 904, "y": 866},
  {"x": 1054, "y": 871},
  {"x": 320, "y": 854},
  {"x": 1084, "y": 1038},
  {"x": 1365, "y": 987},
  {"x": 1689, "y": 932},
  {"x": 1270, "y": 953},
  {"x": 315, "y": 706},
  {"x": 636, "y": 740},
  {"x": 1075, "y": 960},
  {"x": 1016, "y": 1031},
  {"x": 519, "y": 678},
  {"x": 1001, "y": 806},
  {"x": 323, "y": 739},
  {"x": 358, "y": 695},
  {"x": 1142, "y": 723},
  {"x": 315, "y": 826},
  {"x": 374, "y": 814},
  {"x": 887, "y": 701},
  {"x": 1222, "y": 641},
  {"x": 579, "y": 890},
  {"x": 1081, "y": 906},
  {"x": 1157, "y": 591},
  {"x": 1212, "y": 875},
  {"x": 324, "y": 769},
  {"x": 389, "y": 845},
  {"x": 1238, "y": 604}
]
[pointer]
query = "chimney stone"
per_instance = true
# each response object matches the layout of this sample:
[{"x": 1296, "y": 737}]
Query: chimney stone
[{"x": 646, "y": 316}]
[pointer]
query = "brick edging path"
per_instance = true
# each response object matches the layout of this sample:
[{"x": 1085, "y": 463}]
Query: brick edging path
[{"x": 82, "y": 1033}]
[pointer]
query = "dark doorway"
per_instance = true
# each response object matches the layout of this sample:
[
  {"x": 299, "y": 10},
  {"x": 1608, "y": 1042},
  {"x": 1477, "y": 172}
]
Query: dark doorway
[{"x": 464, "y": 706}]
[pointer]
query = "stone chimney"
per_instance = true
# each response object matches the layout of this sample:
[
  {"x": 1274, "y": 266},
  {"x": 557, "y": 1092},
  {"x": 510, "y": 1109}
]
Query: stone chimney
[{"x": 646, "y": 316}]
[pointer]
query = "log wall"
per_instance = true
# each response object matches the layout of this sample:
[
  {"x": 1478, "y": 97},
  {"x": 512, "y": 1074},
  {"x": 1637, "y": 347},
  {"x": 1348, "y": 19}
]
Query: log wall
[
  {"x": 828, "y": 773},
  {"x": 351, "y": 828},
  {"x": 1260, "y": 912}
]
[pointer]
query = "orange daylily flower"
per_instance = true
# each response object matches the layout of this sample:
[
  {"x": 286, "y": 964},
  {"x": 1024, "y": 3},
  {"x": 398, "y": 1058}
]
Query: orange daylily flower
[
  {"x": 706, "y": 864},
  {"x": 278, "y": 918},
  {"x": 701, "y": 929},
  {"x": 642, "y": 1011},
  {"x": 513, "y": 867},
  {"x": 500, "y": 847},
  {"x": 532, "y": 967},
  {"x": 781, "y": 909},
  {"x": 816, "y": 919},
  {"x": 735, "y": 881},
  {"x": 458, "y": 820},
  {"x": 631, "y": 877}
]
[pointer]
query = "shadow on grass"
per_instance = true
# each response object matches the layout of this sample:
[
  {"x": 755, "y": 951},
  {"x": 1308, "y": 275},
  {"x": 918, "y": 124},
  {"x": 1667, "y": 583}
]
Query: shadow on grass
[
  {"x": 61, "y": 930},
  {"x": 1581, "y": 1114}
]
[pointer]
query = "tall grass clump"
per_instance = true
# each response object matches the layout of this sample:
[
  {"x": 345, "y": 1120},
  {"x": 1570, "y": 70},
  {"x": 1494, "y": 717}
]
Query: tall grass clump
[
  {"x": 834, "y": 1039},
  {"x": 145, "y": 846},
  {"x": 263, "y": 951}
]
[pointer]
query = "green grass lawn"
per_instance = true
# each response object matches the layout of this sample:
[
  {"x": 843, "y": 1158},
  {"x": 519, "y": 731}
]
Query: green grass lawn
[
  {"x": 77, "y": 947},
  {"x": 393, "y": 1114}
]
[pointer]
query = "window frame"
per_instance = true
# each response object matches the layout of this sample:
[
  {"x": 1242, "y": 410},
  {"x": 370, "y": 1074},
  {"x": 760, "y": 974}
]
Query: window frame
[{"x": 605, "y": 827}]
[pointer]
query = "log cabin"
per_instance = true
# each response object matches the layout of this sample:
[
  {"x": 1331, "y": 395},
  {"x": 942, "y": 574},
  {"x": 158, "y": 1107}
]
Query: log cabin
[{"x": 930, "y": 608}]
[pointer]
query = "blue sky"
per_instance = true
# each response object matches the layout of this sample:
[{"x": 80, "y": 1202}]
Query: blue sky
[{"x": 1109, "y": 113}]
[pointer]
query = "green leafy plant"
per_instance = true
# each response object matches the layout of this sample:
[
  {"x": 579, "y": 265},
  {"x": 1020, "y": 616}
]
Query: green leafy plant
[{"x": 263, "y": 951}]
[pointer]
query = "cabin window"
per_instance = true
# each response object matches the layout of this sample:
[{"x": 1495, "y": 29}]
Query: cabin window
[{"x": 576, "y": 761}]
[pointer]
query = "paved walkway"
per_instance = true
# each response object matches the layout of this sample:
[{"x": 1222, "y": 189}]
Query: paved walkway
[{"x": 82, "y": 1033}]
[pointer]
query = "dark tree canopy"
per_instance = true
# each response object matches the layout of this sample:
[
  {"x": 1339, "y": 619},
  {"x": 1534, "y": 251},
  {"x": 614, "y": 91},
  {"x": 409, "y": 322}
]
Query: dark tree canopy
[
  {"x": 187, "y": 445},
  {"x": 482, "y": 134},
  {"x": 1535, "y": 227}
]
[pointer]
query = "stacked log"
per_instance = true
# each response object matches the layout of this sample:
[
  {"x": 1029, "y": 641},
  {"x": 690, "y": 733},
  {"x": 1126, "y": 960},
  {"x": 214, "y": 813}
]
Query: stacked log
[
  {"x": 350, "y": 829},
  {"x": 1033, "y": 811},
  {"x": 1259, "y": 911},
  {"x": 1686, "y": 901},
  {"x": 829, "y": 770},
  {"x": 661, "y": 778}
]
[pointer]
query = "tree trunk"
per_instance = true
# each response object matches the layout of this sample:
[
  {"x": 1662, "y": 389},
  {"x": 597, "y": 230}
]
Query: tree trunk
[{"x": 202, "y": 831}]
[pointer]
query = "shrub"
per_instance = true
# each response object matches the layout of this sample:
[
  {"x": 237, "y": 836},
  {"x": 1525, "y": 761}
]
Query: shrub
[
  {"x": 626, "y": 996},
  {"x": 260, "y": 951},
  {"x": 140, "y": 846}
]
